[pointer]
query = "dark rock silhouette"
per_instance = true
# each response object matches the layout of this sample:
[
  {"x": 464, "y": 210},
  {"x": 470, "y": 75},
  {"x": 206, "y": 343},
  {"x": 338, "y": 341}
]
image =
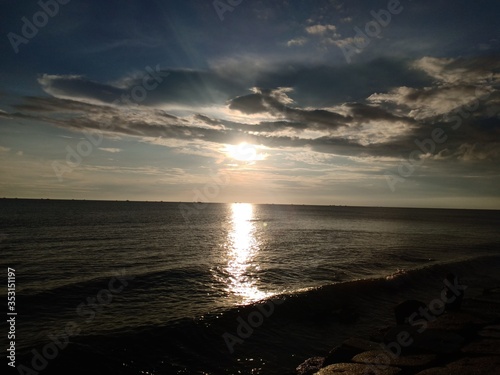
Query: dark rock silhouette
[{"x": 404, "y": 310}]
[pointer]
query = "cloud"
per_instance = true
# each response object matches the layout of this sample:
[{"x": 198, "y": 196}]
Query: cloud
[
  {"x": 110, "y": 149},
  {"x": 297, "y": 42},
  {"x": 153, "y": 87},
  {"x": 448, "y": 71},
  {"x": 475, "y": 152},
  {"x": 292, "y": 114},
  {"x": 78, "y": 87},
  {"x": 458, "y": 83},
  {"x": 230, "y": 78},
  {"x": 277, "y": 103},
  {"x": 327, "y": 34},
  {"x": 320, "y": 29}
]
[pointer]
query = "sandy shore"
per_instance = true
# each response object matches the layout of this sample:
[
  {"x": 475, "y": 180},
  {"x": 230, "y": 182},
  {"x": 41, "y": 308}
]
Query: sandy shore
[{"x": 464, "y": 342}]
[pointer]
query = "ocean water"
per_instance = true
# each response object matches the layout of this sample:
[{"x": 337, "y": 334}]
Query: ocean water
[{"x": 191, "y": 288}]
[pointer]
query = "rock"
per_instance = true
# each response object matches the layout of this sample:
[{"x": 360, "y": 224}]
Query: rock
[
  {"x": 406, "y": 309},
  {"x": 456, "y": 321},
  {"x": 361, "y": 344},
  {"x": 493, "y": 328},
  {"x": 310, "y": 366},
  {"x": 492, "y": 332},
  {"x": 436, "y": 371},
  {"x": 487, "y": 365},
  {"x": 467, "y": 366},
  {"x": 438, "y": 341},
  {"x": 493, "y": 298},
  {"x": 484, "y": 309},
  {"x": 400, "y": 334},
  {"x": 379, "y": 335},
  {"x": 459, "y": 322},
  {"x": 382, "y": 357},
  {"x": 348, "y": 349},
  {"x": 485, "y": 346},
  {"x": 357, "y": 369},
  {"x": 340, "y": 354}
]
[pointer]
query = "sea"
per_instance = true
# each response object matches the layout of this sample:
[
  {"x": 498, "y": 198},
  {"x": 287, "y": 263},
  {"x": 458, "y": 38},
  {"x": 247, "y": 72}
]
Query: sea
[{"x": 105, "y": 287}]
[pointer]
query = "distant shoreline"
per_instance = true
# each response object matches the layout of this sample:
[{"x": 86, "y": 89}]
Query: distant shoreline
[{"x": 258, "y": 204}]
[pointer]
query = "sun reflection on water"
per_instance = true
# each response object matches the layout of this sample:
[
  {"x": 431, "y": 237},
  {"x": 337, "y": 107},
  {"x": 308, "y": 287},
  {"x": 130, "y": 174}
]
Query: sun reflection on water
[{"x": 242, "y": 250}]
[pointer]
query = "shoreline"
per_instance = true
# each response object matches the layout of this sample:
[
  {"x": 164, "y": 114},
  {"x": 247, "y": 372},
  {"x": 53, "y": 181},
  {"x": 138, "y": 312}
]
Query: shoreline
[{"x": 462, "y": 342}]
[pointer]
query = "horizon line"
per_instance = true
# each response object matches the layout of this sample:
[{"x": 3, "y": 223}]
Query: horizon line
[{"x": 263, "y": 204}]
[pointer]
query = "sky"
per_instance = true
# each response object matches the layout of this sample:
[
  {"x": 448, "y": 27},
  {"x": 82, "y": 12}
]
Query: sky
[{"x": 330, "y": 102}]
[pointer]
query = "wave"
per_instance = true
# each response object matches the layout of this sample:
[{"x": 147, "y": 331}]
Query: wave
[{"x": 268, "y": 334}]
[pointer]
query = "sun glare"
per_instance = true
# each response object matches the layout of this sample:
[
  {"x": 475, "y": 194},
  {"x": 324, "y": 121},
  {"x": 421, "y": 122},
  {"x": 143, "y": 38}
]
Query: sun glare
[
  {"x": 243, "y": 248},
  {"x": 243, "y": 152}
]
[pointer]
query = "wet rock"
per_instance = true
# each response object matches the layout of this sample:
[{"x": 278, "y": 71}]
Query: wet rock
[
  {"x": 310, "y": 366},
  {"x": 348, "y": 349},
  {"x": 358, "y": 369},
  {"x": 382, "y": 357},
  {"x": 339, "y": 354}
]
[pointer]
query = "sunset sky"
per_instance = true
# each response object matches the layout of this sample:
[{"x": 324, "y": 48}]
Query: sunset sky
[{"x": 379, "y": 103}]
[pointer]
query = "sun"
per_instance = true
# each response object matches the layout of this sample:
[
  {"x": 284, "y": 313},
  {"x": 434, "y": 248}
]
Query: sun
[{"x": 243, "y": 152}]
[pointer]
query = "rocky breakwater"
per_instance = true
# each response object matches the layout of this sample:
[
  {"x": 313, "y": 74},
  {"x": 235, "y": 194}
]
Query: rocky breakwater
[{"x": 465, "y": 342}]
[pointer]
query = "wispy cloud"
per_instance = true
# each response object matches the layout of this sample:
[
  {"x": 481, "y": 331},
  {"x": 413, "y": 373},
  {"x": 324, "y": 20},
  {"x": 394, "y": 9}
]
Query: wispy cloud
[
  {"x": 110, "y": 149},
  {"x": 297, "y": 42},
  {"x": 321, "y": 29}
]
